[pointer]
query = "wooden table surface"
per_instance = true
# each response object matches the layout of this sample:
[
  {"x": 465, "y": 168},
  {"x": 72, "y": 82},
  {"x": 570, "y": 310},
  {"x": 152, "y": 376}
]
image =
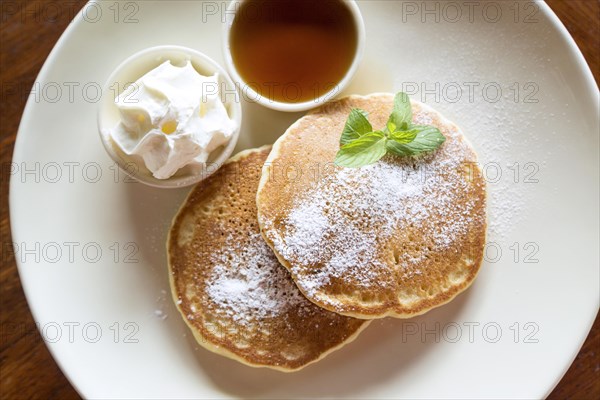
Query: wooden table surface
[{"x": 26, "y": 368}]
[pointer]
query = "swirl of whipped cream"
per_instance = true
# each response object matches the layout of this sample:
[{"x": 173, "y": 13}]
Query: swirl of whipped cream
[{"x": 171, "y": 117}]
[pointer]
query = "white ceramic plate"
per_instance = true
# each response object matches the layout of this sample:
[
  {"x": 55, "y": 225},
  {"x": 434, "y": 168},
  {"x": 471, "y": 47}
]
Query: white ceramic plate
[{"x": 513, "y": 334}]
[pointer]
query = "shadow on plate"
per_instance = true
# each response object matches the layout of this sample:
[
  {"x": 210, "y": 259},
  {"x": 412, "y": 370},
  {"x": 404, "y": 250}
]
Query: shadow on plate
[{"x": 261, "y": 125}]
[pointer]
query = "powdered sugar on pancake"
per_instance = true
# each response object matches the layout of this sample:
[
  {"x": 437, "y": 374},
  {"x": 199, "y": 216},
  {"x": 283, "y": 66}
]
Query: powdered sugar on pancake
[
  {"x": 248, "y": 283},
  {"x": 340, "y": 227}
]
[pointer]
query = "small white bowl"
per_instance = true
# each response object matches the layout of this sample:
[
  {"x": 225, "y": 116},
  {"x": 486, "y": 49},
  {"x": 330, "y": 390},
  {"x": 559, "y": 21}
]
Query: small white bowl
[
  {"x": 251, "y": 94},
  {"x": 134, "y": 68}
]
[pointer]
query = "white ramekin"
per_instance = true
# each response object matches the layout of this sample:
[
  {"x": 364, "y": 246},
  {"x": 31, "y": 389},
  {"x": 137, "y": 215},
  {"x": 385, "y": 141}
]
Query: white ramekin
[{"x": 134, "y": 68}]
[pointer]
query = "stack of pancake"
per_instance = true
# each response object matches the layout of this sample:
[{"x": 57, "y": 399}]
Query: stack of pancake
[{"x": 282, "y": 257}]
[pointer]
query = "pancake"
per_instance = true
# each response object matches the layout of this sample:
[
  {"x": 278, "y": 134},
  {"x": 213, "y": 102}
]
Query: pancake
[
  {"x": 228, "y": 285},
  {"x": 395, "y": 238}
]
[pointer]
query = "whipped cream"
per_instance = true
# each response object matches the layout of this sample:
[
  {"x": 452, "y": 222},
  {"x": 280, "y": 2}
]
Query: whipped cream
[{"x": 171, "y": 117}]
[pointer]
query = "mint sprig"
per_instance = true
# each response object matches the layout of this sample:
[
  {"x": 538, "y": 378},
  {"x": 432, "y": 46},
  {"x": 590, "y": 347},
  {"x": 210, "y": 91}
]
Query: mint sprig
[{"x": 360, "y": 145}]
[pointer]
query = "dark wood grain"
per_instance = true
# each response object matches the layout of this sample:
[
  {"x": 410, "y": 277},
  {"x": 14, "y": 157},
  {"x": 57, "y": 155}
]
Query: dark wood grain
[{"x": 26, "y": 37}]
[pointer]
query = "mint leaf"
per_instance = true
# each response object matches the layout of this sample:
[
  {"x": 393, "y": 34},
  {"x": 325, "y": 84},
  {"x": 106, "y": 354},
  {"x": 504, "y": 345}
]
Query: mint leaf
[
  {"x": 404, "y": 136},
  {"x": 357, "y": 125},
  {"x": 401, "y": 116},
  {"x": 365, "y": 150},
  {"x": 398, "y": 149},
  {"x": 424, "y": 138},
  {"x": 390, "y": 127},
  {"x": 428, "y": 138}
]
